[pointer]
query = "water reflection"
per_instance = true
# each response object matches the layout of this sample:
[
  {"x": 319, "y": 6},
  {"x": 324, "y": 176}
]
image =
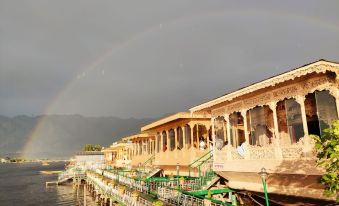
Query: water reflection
[{"x": 23, "y": 184}]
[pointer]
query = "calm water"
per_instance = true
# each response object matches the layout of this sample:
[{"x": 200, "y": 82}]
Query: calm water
[{"x": 22, "y": 184}]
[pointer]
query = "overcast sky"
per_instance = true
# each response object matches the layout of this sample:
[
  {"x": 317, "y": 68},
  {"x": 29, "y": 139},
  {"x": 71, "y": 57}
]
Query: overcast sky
[{"x": 148, "y": 58}]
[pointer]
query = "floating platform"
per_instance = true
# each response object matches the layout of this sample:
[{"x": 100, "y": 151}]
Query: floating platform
[{"x": 53, "y": 183}]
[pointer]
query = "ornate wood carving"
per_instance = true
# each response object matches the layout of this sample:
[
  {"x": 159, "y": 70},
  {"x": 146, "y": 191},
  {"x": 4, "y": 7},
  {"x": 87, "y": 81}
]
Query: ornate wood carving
[{"x": 291, "y": 91}]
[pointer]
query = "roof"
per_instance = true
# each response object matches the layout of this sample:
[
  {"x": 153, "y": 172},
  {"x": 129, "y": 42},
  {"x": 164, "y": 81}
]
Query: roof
[
  {"x": 90, "y": 153},
  {"x": 179, "y": 115},
  {"x": 115, "y": 146},
  {"x": 320, "y": 66},
  {"x": 141, "y": 135}
]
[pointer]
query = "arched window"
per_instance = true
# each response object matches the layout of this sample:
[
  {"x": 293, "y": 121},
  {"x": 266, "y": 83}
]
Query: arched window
[
  {"x": 200, "y": 135},
  {"x": 290, "y": 121},
  {"x": 237, "y": 129},
  {"x": 220, "y": 132},
  {"x": 261, "y": 126},
  {"x": 153, "y": 148},
  {"x": 180, "y": 139},
  {"x": 164, "y": 141},
  {"x": 171, "y": 135},
  {"x": 140, "y": 148},
  {"x": 321, "y": 110}
]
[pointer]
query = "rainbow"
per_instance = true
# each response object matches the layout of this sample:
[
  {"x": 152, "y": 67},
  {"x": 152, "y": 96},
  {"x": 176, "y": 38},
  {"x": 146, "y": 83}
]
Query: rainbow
[{"x": 146, "y": 33}]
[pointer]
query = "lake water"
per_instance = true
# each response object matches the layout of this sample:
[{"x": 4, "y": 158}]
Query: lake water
[{"x": 23, "y": 184}]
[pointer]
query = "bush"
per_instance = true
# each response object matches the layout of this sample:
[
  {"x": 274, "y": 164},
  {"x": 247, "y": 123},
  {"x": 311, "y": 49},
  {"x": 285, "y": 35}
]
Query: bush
[{"x": 328, "y": 157}]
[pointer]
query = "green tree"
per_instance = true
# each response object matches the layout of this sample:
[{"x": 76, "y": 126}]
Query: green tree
[
  {"x": 328, "y": 157},
  {"x": 90, "y": 147},
  {"x": 97, "y": 147}
]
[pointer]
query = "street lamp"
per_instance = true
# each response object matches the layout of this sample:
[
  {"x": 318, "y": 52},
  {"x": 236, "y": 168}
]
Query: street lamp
[
  {"x": 263, "y": 175},
  {"x": 139, "y": 170},
  {"x": 178, "y": 169}
]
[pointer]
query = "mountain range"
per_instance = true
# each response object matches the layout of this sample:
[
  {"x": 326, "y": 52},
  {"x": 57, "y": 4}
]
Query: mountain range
[{"x": 60, "y": 136}]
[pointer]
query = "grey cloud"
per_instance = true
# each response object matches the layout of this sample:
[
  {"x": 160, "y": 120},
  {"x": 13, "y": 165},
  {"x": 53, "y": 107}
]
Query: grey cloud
[{"x": 168, "y": 55}]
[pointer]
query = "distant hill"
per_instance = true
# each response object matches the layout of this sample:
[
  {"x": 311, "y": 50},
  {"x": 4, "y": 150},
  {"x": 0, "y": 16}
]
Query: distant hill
[{"x": 62, "y": 135}]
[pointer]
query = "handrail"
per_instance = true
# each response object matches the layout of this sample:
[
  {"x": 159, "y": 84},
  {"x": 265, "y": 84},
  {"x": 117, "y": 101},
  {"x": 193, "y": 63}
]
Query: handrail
[
  {"x": 190, "y": 165},
  {"x": 149, "y": 159},
  {"x": 200, "y": 158},
  {"x": 205, "y": 160}
]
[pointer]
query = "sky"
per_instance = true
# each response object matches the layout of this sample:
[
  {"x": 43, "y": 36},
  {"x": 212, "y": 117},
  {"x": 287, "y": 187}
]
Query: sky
[{"x": 152, "y": 57}]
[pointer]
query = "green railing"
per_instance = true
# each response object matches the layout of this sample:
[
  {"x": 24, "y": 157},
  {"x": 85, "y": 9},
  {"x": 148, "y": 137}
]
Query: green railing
[
  {"x": 199, "y": 160},
  {"x": 152, "y": 187}
]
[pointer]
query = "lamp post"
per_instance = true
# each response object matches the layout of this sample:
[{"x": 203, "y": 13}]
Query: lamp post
[
  {"x": 178, "y": 169},
  {"x": 263, "y": 175},
  {"x": 139, "y": 170}
]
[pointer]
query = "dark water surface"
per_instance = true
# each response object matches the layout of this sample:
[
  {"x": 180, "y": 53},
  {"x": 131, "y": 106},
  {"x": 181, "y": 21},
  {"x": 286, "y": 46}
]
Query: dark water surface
[{"x": 23, "y": 184}]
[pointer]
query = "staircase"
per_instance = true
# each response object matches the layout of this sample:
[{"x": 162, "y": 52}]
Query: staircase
[
  {"x": 200, "y": 164},
  {"x": 148, "y": 162},
  {"x": 205, "y": 177},
  {"x": 149, "y": 169},
  {"x": 154, "y": 172},
  {"x": 70, "y": 173}
]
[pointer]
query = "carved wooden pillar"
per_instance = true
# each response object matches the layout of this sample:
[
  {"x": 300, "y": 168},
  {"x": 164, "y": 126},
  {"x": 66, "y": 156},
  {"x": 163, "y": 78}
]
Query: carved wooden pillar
[
  {"x": 197, "y": 135},
  {"x": 224, "y": 129},
  {"x": 184, "y": 137},
  {"x": 301, "y": 101},
  {"x": 192, "y": 143},
  {"x": 156, "y": 143},
  {"x": 132, "y": 149},
  {"x": 273, "y": 107},
  {"x": 136, "y": 148},
  {"x": 228, "y": 131},
  {"x": 168, "y": 141},
  {"x": 161, "y": 142},
  {"x": 335, "y": 93},
  {"x": 207, "y": 136},
  {"x": 212, "y": 131},
  {"x": 139, "y": 148},
  {"x": 247, "y": 142},
  {"x": 243, "y": 113},
  {"x": 228, "y": 123}
]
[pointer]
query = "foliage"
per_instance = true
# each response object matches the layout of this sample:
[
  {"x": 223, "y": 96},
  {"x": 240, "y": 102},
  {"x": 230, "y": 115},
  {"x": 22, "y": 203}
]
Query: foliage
[
  {"x": 328, "y": 157},
  {"x": 209, "y": 194},
  {"x": 158, "y": 203},
  {"x": 90, "y": 147}
]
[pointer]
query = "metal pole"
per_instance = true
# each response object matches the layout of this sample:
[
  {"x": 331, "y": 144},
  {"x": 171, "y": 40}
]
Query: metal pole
[
  {"x": 178, "y": 168},
  {"x": 265, "y": 191}
]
